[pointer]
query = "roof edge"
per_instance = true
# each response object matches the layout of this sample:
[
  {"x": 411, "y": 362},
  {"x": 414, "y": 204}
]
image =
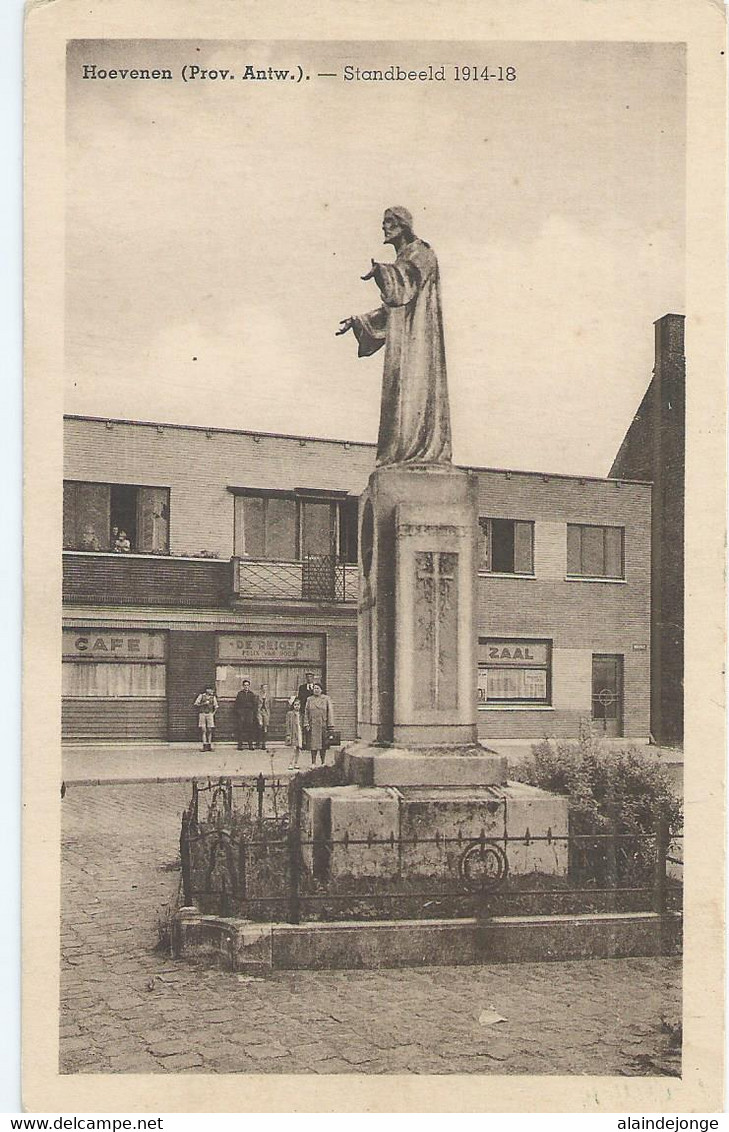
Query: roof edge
[{"x": 349, "y": 444}]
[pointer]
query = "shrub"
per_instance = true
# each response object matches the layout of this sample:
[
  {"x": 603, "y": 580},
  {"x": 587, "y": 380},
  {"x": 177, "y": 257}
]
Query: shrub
[{"x": 607, "y": 786}]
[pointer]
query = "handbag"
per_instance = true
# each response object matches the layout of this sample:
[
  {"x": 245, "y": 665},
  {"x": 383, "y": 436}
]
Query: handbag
[{"x": 334, "y": 738}]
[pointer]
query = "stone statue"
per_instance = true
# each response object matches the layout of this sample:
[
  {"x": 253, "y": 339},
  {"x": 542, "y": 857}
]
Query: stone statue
[{"x": 415, "y": 423}]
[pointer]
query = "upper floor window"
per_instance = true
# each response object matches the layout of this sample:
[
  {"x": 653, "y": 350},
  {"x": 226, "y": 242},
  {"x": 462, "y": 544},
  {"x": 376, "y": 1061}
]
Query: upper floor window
[
  {"x": 595, "y": 552},
  {"x": 288, "y": 528},
  {"x": 506, "y": 546},
  {"x": 116, "y": 517}
]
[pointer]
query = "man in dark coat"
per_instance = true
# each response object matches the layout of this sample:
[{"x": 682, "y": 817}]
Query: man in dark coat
[
  {"x": 245, "y": 709},
  {"x": 305, "y": 690}
]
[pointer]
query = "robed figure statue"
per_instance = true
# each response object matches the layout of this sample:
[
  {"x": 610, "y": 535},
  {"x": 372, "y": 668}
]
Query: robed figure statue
[{"x": 414, "y": 417}]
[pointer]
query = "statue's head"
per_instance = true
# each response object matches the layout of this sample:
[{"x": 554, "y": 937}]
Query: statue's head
[{"x": 397, "y": 222}]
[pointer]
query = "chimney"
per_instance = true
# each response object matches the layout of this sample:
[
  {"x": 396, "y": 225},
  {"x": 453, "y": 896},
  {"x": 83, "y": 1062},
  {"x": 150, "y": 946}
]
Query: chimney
[{"x": 669, "y": 342}]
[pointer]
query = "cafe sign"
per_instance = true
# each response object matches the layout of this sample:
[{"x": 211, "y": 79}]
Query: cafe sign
[
  {"x": 118, "y": 644},
  {"x": 258, "y": 647},
  {"x": 510, "y": 653}
]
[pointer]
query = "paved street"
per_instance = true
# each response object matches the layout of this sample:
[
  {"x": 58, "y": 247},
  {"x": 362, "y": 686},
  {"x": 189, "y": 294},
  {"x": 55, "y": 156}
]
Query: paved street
[{"x": 127, "y": 1008}]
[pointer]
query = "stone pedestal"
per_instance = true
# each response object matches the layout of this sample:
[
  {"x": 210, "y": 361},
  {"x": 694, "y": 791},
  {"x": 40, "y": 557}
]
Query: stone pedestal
[
  {"x": 421, "y": 790},
  {"x": 416, "y": 654}
]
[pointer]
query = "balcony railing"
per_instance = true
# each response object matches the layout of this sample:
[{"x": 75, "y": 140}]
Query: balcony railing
[
  {"x": 131, "y": 579},
  {"x": 315, "y": 578}
]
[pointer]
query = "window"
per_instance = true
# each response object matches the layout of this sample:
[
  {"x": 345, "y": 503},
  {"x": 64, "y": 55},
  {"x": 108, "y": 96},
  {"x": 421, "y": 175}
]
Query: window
[
  {"x": 83, "y": 680},
  {"x": 595, "y": 552},
  {"x": 514, "y": 672},
  {"x": 348, "y": 530},
  {"x": 99, "y": 663},
  {"x": 506, "y": 546},
  {"x": 317, "y": 527},
  {"x": 97, "y": 515},
  {"x": 289, "y": 528}
]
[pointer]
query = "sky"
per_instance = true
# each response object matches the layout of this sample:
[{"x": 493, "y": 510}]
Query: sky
[{"x": 217, "y": 231}]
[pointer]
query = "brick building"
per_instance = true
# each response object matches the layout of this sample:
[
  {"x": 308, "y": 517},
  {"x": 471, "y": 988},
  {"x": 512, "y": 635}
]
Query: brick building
[
  {"x": 654, "y": 449},
  {"x": 243, "y": 564}
]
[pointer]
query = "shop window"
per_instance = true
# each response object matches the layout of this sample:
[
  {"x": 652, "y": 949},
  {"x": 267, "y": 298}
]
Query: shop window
[
  {"x": 514, "y": 672},
  {"x": 89, "y": 680},
  {"x": 506, "y": 546},
  {"x": 283, "y": 680},
  {"x": 595, "y": 552},
  {"x": 116, "y": 517},
  {"x": 288, "y": 528}
]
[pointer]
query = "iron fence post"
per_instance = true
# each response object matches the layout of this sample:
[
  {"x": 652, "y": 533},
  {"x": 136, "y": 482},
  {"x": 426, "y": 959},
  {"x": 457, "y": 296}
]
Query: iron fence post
[
  {"x": 659, "y": 886},
  {"x": 260, "y": 789},
  {"x": 294, "y": 851},
  {"x": 185, "y": 859},
  {"x": 611, "y": 851}
]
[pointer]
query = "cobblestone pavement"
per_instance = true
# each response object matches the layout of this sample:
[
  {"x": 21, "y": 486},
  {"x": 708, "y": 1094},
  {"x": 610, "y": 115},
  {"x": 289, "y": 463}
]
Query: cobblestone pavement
[{"x": 126, "y": 1008}]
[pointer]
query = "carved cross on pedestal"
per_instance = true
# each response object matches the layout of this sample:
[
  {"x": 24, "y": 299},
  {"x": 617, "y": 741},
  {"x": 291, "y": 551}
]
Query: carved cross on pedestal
[{"x": 435, "y": 573}]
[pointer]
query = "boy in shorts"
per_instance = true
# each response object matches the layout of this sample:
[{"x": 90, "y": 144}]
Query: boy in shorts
[{"x": 207, "y": 705}]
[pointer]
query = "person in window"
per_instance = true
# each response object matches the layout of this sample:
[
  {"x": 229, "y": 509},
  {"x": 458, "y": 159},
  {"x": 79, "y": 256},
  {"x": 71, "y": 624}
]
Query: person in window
[
  {"x": 263, "y": 716},
  {"x": 293, "y": 733},
  {"x": 245, "y": 710},
  {"x": 207, "y": 705},
  {"x": 89, "y": 540},
  {"x": 318, "y": 718},
  {"x": 122, "y": 545}
]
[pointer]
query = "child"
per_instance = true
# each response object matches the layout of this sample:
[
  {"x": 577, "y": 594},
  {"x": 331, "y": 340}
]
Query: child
[
  {"x": 293, "y": 733},
  {"x": 263, "y": 716},
  {"x": 207, "y": 705}
]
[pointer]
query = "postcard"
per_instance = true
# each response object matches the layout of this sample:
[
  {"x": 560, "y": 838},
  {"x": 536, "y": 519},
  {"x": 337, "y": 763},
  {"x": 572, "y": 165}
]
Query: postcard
[{"x": 374, "y": 548}]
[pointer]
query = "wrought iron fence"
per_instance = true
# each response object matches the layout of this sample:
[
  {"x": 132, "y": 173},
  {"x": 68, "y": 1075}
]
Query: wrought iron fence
[
  {"x": 251, "y": 860},
  {"x": 316, "y": 578}
]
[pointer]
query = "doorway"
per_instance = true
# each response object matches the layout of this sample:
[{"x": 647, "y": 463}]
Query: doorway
[{"x": 607, "y": 695}]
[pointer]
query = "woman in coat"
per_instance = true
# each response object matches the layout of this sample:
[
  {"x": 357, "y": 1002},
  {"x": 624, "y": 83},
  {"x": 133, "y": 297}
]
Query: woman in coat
[
  {"x": 318, "y": 718},
  {"x": 264, "y": 716}
]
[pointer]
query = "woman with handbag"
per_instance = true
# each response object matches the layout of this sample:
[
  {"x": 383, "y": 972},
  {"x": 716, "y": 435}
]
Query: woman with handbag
[{"x": 319, "y": 719}]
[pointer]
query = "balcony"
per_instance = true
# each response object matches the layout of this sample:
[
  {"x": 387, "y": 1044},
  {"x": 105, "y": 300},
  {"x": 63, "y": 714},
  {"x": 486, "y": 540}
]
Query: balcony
[
  {"x": 99, "y": 578},
  {"x": 318, "y": 578},
  {"x": 145, "y": 579}
]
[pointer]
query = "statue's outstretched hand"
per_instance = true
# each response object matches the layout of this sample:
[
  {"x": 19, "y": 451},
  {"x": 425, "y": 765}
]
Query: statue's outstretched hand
[
  {"x": 371, "y": 273},
  {"x": 345, "y": 325}
]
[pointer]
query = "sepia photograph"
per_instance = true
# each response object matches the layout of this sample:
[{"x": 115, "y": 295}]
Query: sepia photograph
[{"x": 374, "y": 367}]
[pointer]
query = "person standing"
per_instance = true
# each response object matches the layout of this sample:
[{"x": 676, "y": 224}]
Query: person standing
[
  {"x": 207, "y": 705},
  {"x": 305, "y": 690},
  {"x": 293, "y": 733},
  {"x": 263, "y": 716},
  {"x": 245, "y": 710},
  {"x": 319, "y": 718}
]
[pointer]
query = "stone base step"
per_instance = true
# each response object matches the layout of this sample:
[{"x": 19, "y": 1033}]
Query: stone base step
[{"x": 242, "y": 946}]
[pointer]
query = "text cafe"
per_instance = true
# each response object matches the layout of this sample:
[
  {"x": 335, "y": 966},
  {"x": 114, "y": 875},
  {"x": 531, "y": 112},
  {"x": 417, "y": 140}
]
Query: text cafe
[{"x": 114, "y": 683}]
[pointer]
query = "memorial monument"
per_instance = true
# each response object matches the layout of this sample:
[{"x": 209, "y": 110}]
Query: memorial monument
[
  {"x": 418, "y": 519},
  {"x": 417, "y": 767}
]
